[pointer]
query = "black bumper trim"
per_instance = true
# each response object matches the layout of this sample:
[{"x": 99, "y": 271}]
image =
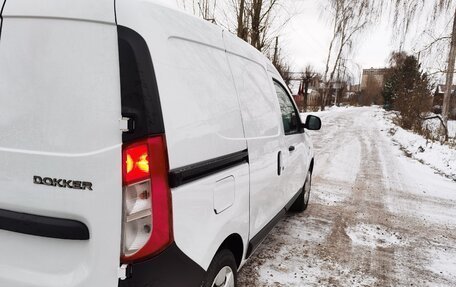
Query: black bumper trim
[
  {"x": 170, "y": 268},
  {"x": 43, "y": 226}
]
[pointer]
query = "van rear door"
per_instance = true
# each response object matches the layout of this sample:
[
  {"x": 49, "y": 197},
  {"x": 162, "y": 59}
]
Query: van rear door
[
  {"x": 2, "y": 2},
  {"x": 60, "y": 144}
]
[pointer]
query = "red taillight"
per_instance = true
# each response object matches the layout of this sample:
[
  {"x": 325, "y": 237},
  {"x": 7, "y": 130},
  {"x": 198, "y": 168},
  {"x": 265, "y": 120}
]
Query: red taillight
[
  {"x": 136, "y": 163},
  {"x": 147, "y": 222}
]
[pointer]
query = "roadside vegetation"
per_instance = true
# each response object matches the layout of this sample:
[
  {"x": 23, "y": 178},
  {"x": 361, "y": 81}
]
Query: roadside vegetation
[{"x": 407, "y": 89}]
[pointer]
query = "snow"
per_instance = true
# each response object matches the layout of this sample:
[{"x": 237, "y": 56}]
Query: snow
[
  {"x": 341, "y": 169},
  {"x": 452, "y": 129},
  {"x": 374, "y": 236},
  {"x": 308, "y": 273},
  {"x": 329, "y": 195},
  {"x": 443, "y": 263},
  {"x": 440, "y": 157},
  {"x": 434, "y": 124}
]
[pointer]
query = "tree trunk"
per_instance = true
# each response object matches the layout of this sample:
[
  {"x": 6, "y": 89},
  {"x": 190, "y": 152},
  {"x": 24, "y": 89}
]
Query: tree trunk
[
  {"x": 241, "y": 25},
  {"x": 256, "y": 19},
  {"x": 449, "y": 76},
  {"x": 306, "y": 94},
  {"x": 325, "y": 92},
  {"x": 276, "y": 49},
  {"x": 325, "y": 76}
]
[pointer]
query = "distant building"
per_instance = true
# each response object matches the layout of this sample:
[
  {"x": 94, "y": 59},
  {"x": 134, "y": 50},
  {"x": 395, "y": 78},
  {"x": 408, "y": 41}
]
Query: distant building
[
  {"x": 440, "y": 93},
  {"x": 377, "y": 75},
  {"x": 437, "y": 101},
  {"x": 372, "y": 84},
  {"x": 354, "y": 88},
  {"x": 297, "y": 89},
  {"x": 313, "y": 98}
]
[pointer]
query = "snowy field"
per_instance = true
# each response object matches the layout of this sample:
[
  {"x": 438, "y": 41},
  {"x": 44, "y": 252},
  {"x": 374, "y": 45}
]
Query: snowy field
[{"x": 382, "y": 211}]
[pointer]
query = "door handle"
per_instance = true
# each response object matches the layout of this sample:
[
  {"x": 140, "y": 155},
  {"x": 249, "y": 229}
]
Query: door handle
[
  {"x": 291, "y": 148},
  {"x": 279, "y": 163}
]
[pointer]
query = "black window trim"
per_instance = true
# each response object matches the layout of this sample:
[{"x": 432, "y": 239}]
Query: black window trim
[
  {"x": 300, "y": 130},
  {"x": 139, "y": 89}
]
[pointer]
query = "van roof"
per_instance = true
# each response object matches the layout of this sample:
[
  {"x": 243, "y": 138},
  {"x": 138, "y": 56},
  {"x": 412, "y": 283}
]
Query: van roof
[{"x": 87, "y": 10}]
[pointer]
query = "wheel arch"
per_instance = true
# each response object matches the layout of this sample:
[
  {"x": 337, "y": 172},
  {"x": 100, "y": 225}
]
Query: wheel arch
[{"x": 234, "y": 244}]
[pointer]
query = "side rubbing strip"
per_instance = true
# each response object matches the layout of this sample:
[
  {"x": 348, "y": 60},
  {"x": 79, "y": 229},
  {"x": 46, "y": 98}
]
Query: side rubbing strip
[
  {"x": 186, "y": 174},
  {"x": 43, "y": 226}
]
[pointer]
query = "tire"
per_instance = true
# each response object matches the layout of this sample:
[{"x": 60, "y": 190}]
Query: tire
[
  {"x": 222, "y": 272},
  {"x": 302, "y": 201}
]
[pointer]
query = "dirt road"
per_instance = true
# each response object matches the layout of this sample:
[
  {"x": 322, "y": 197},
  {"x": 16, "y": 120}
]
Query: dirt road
[{"x": 376, "y": 217}]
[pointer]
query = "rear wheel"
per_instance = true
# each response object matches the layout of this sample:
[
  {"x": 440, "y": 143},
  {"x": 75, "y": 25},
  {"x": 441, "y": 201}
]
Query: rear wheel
[
  {"x": 222, "y": 272},
  {"x": 303, "y": 199}
]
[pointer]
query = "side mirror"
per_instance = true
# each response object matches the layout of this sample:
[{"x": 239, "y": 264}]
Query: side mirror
[{"x": 313, "y": 123}]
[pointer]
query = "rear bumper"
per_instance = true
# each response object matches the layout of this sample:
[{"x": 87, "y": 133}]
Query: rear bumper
[{"x": 171, "y": 268}]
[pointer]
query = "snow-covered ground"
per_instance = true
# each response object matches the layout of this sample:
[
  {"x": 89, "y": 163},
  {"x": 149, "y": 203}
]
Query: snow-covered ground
[
  {"x": 378, "y": 216},
  {"x": 434, "y": 125},
  {"x": 441, "y": 158}
]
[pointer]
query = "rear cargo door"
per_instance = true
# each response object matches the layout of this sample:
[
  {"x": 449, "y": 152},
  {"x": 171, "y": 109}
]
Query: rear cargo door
[
  {"x": 2, "y": 2},
  {"x": 60, "y": 144}
]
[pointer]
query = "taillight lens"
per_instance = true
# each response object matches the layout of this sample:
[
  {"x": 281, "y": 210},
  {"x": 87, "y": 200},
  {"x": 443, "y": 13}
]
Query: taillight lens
[
  {"x": 147, "y": 227},
  {"x": 137, "y": 163}
]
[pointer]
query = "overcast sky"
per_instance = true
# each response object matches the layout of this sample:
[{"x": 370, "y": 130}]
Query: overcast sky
[{"x": 306, "y": 40}]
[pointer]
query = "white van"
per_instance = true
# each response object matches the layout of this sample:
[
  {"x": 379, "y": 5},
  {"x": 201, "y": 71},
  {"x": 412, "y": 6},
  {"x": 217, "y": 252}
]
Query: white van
[{"x": 139, "y": 147}]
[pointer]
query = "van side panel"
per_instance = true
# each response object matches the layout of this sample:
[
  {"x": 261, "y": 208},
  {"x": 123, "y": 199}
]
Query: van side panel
[
  {"x": 202, "y": 120},
  {"x": 199, "y": 229},
  {"x": 201, "y": 111},
  {"x": 59, "y": 119}
]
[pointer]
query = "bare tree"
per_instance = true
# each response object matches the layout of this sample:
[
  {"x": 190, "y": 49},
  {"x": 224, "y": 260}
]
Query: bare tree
[
  {"x": 307, "y": 77},
  {"x": 349, "y": 18},
  {"x": 258, "y": 22},
  {"x": 242, "y": 29},
  {"x": 205, "y": 9},
  {"x": 254, "y": 21},
  {"x": 281, "y": 64}
]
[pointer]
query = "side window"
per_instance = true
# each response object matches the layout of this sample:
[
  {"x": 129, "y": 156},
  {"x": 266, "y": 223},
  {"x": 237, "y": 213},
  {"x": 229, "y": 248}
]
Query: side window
[{"x": 289, "y": 114}]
